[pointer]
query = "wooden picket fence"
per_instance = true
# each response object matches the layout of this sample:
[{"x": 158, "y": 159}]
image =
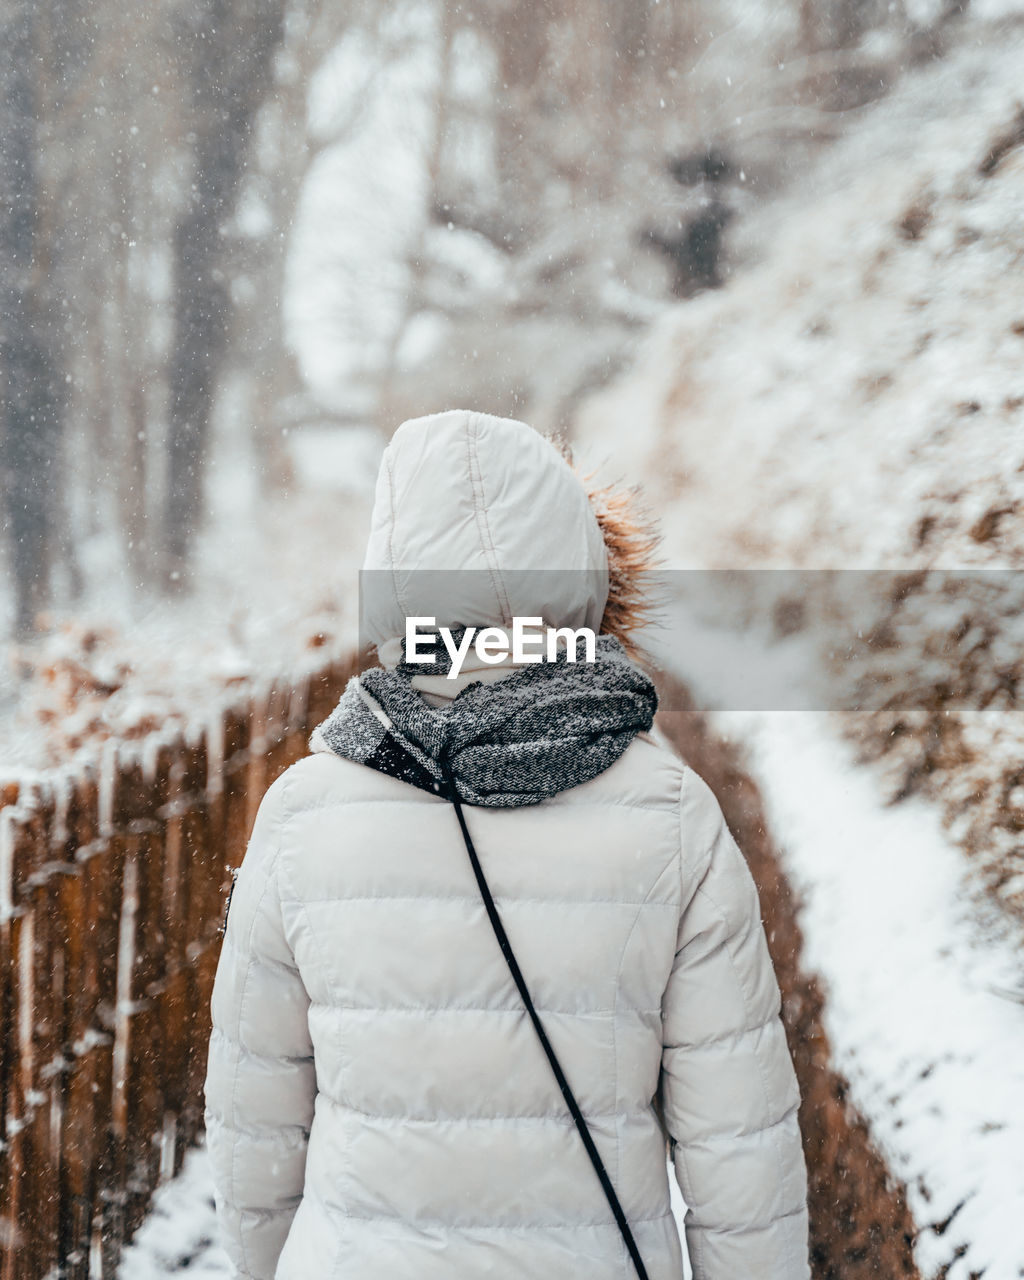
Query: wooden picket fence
[{"x": 112, "y": 889}]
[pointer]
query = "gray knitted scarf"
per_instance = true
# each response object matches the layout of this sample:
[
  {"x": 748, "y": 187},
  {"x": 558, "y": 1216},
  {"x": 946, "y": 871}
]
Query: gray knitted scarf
[{"x": 514, "y": 741}]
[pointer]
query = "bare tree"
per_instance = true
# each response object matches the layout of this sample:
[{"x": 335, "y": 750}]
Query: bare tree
[
  {"x": 126, "y": 142},
  {"x": 33, "y": 386},
  {"x": 281, "y": 153},
  {"x": 229, "y": 45}
]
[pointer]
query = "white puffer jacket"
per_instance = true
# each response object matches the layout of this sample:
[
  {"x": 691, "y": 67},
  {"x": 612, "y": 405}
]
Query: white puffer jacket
[{"x": 377, "y": 1104}]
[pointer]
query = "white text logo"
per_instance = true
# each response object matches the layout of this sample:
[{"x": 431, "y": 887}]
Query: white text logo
[{"x": 528, "y": 641}]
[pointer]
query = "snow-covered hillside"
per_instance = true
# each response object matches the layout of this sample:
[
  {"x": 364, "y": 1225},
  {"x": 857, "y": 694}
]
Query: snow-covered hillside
[{"x": 855, "y": 399}]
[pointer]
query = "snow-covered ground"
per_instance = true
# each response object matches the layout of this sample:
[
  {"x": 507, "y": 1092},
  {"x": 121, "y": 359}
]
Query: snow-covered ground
[
  {"x": 180, "y": 1233},
  {"x": 922, "y": 1006}
]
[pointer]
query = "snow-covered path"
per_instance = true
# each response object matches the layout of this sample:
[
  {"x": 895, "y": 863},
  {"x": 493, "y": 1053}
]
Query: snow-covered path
[
  {"x": 180, "y": 1233},
  {"x": 920, "y": 1005},
  {"x": 924, "y": 989}
]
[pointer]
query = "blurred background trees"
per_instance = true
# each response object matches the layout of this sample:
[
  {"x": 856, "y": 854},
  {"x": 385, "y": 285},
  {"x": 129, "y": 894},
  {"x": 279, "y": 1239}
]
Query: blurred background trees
[{"x": 224, "y": 219}]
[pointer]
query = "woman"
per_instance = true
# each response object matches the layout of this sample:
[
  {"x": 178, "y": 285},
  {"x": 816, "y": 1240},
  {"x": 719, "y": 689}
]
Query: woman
[{"x": 379, "y": 1106}]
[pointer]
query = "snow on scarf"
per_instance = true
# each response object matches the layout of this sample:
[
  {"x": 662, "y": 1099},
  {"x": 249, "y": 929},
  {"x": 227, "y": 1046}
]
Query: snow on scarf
[{"x": 516, "y": 741}]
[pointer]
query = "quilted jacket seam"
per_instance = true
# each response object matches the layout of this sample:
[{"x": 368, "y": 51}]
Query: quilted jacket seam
[
  {"x": 331, "y": 1003},
  {"x": 521, "y": 1226},
  {"x": 696, "y": 1261},
  {"x": 268, "y": 1057},
  {"x": 431, "y": 1009},
  {"x": 482, "y": 523},
  {"x": 389, "y": 467},
  {"x": 270, "y": 873},
  {"x": 505, "y": 898},
  {"x": 269, "y": 961},
  {"x": 754, "y": 1226},
  {"x": 773, "y": 1126},
  {"x": 424, "y": 797},
  {"x": 420, "y": 1221},
  {"x": 260, "y": 1131},
  {"x": 761, "y": 1130},
  {"x": 615, "y": 1027},
  {"x": 697, "y": 1258},
  {"x": 711, "y": 1042},
  {"x": 565, "y": 1120},
  {"x": 265, "y": 1212}
]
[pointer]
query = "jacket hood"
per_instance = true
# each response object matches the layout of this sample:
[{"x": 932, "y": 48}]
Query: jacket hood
[{"x": 478, "y": 519}]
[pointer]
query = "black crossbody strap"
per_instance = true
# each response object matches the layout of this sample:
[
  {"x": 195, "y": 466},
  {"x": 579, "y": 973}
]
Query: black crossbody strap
[{"x": 563, "y": 1084}]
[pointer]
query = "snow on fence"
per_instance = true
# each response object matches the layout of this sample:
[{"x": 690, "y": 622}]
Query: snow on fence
[{"x": 112, "y": 889}]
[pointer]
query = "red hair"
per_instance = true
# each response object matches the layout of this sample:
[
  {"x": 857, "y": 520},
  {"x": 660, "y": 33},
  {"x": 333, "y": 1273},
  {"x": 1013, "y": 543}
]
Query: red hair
[{"x": 631, "y": 537}]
